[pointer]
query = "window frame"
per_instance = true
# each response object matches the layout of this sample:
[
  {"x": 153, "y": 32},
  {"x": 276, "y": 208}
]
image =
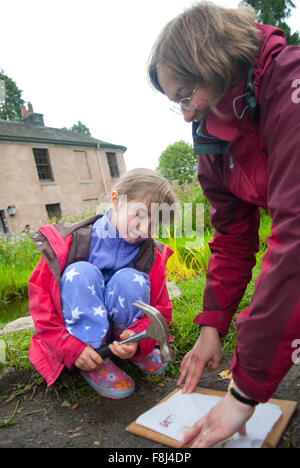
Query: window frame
[
  {"x": 3, "y": 222},
  {"x": 55, "y": 215},
  {"x": 47, "y": 164},
  {"x": 113, "y": 165}
]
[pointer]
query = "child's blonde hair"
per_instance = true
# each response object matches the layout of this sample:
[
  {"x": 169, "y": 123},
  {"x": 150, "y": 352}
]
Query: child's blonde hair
[
  {"x": 145, "y": 185},
  {"x": 149, "y": 187},
  {"x": 207, "y": 44}
]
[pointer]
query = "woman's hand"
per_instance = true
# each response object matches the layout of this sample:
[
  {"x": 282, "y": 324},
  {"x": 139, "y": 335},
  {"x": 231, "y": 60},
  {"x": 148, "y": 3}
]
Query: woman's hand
[
  {"x": 206, "y": 351},
  {"x": 88, "y": 360},
  {"x": 225, "y": 419},
  {"x": 125, "y": 351}
]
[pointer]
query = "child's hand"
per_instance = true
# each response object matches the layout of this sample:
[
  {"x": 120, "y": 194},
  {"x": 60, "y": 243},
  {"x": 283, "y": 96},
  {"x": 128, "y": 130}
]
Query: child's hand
[
  {"x": 125, "y": 351},
  {"x": 89, "y": 360}
]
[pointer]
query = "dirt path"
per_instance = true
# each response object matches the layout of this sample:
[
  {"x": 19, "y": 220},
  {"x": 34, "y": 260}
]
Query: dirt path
[{"x": 48, "y": 419}]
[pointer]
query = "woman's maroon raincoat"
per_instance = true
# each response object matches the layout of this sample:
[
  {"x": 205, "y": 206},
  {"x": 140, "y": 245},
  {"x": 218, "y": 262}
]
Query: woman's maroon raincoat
[{"x": 259, "y": 166}]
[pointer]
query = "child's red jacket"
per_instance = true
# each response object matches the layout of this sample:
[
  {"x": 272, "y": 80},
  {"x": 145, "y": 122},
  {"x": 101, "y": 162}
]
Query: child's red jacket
[{"x": 52, "y": 347}]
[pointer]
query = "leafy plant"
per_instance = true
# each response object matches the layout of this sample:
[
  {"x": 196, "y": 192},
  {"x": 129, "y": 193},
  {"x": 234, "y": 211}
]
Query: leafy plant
[
  {"x": 9, "y": 421},
  {"x": 10, "y": 109},
  {"x": 178, "y": 162},
  {"x": 276, "y": 12},
  {"x": 182, "y": 265}
]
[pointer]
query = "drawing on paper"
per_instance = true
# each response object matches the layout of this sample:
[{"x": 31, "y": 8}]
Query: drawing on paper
[{"x": 168, "y": 420}]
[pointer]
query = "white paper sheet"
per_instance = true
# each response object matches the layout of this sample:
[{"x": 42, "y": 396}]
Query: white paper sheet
[{"x": 176, "y": 415}]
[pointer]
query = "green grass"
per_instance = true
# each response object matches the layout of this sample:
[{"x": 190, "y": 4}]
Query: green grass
[
  {"x": 17, "y": 345},
  {"x": 18, "y": 257}
]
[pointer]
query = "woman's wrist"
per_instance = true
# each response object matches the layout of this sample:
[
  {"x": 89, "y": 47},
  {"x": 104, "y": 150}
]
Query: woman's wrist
[
  {"x": 208, "y": 330},
  {"x": 240, "y": 396}
]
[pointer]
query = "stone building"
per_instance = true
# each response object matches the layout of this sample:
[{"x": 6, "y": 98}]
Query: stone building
[{"x": 48, "y": 171}]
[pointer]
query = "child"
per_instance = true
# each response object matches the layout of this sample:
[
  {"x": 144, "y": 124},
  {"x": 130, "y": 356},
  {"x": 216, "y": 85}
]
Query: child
[{"x": 82, "y": 290}]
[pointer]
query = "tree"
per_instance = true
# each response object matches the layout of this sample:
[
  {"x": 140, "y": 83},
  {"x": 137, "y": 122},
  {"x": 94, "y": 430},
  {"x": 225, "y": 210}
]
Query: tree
[
  {"x": 10, "y": 105},
  {"x": 80, "y": 128},
  {"x": 178, "y": 162},
  {"x": 275, "y": 12}
]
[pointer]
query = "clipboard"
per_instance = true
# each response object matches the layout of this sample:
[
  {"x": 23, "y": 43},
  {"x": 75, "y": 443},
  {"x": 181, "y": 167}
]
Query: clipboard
[{"x": 271, "y": 441}]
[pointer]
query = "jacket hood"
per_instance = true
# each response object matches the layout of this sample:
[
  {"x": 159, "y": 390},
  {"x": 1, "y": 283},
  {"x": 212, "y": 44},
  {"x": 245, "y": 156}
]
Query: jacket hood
[{"x": 272, "y": 42}]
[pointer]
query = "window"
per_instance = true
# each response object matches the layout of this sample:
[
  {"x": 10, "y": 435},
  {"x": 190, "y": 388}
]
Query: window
[
  {"x": 82, "y": 164},
  {"x": 113, "y": 165},
  {"x": 53, "y": 210},
  {"x": 42, "y": 162},
  {"x": 3, "y": 223}
]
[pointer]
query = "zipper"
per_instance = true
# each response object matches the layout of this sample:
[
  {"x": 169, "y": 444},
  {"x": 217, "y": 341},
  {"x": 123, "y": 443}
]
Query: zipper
[{"x": 231, "y": 162}]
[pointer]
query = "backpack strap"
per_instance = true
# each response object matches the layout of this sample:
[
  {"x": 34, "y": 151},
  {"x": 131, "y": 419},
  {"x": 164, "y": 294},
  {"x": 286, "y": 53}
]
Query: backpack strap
[
  {"x": 81, "y": 238},
  {"x": 65, "y": 229}
]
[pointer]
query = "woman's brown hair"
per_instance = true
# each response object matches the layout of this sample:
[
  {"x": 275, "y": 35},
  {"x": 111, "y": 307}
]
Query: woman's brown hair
[{"x": 209, "y": 45}]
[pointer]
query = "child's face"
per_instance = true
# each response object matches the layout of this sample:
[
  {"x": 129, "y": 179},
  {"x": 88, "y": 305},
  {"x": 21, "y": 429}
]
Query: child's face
[{"x": 131, "y": 219}]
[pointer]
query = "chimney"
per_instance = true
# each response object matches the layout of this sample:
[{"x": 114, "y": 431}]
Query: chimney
[
  {"x": 23, "y": 111},
  {"x": 30, "y": 117},
  {"x": 30, "y": 108}
]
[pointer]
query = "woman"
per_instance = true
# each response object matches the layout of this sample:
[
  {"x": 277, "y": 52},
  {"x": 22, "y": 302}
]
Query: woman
[{"x": 237, "y": 82}]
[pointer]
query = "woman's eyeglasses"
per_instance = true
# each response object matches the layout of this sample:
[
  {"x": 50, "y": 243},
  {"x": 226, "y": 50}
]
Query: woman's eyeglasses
[{"x": 184, "y": 104}]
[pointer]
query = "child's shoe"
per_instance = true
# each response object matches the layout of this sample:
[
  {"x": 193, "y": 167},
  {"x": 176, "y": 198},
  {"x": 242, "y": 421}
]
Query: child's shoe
[
  {"x": 151, "y": 363},
  {"x": 110, "y": 381}
]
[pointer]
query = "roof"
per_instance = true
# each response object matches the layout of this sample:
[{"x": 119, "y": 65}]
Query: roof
[{"x": 16, "y": 131}]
